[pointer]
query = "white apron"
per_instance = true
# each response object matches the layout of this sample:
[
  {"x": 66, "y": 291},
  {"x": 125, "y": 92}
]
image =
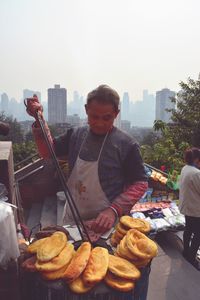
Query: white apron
[{"x": 86, "y": 190}]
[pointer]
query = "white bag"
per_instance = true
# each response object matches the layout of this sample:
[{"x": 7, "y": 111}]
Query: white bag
[{"x": 8, "y": 237}]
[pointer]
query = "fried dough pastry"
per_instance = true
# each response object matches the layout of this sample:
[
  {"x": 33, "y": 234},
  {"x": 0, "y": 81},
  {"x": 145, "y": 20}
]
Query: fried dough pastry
[
  {"x": 97, "y": 266},
  {"x": 118, "y": 283},
  {"x": 118, "y": 235},
  {"x": 121, "y": 229},
  {"x": 52, "y": 246},
  {"x": 123, "y": 268},
  {"x": 140, "y": 245},
  {"x": 78, "y": 262},
  {"x": 33, "y": 247},
  {"x": 63, "y": 258},
  {"x": 124, "y": 252},
  {"x": 78, "y": 286},
  {"x": 53, "y": 275},
  {"x": 135, "y": 223}
]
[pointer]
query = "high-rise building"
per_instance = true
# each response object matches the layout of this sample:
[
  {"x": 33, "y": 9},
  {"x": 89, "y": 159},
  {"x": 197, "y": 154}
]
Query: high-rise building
[
  {"x": 4, "y": 103},
  {"x": 164, "y": 102},
  {"x": 117, "y": 121},
  {"x": 57, "y": 104},
  {"x": 125, "y": 109}
]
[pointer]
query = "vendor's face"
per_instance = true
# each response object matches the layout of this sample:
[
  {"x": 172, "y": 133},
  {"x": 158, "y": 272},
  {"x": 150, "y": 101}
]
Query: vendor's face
[{"x": 100, "y": 117}]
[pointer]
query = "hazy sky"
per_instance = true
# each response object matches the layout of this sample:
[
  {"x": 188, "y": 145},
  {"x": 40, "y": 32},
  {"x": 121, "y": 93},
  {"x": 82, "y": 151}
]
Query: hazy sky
[{"x": 130, "y": 45}]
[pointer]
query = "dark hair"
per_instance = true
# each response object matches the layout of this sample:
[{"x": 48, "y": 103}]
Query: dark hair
[
  {"x": 104, "y": 94},
  {"x": 192, "y": 154}
]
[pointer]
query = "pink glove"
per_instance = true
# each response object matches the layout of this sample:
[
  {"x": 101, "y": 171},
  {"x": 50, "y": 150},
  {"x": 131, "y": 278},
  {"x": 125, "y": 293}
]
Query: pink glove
[
  {"x": 104, "y": 221},
  {"x": 33, "y": 106}
]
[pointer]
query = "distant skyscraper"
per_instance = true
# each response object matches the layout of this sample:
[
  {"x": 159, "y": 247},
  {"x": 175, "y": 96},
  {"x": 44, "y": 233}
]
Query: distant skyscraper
[
  {"x": 145, "y": 95},
  {"x": 4, "y": 103},
  {"x": 125, "y": 106},
  {"x": 117, "y": 121},
  {"x": 76, "y": 106},
  {"x": 163, "y": 102},
  {"x": 57, "y": 104}
]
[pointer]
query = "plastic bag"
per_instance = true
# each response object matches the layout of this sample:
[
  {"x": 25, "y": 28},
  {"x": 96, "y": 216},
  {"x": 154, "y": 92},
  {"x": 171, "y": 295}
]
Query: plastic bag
[
  {"x": 3, "y": 192},
  {"x": 8, "y": 237}
]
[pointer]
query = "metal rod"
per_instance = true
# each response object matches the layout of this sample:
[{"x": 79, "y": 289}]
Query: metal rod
[{"x": 66, "y": 190}]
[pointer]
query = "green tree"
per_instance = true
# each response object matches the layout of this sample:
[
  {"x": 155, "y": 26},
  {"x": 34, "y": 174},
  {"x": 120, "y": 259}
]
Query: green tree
[
  {"x": 186, "y": 117},
  {"x": 15, "y": 133},
  {"x": 183, "y": 132},
  {"x": 22, "y": 148}
]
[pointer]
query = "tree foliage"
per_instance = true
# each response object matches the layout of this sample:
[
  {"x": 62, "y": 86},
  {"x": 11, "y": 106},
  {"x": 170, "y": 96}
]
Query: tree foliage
[
  {"x": 22, "y": 147},
  {"x": 183, "y": 132},
  {"x": 186, "y": 117},
  {"x": 15, "y": 133}
]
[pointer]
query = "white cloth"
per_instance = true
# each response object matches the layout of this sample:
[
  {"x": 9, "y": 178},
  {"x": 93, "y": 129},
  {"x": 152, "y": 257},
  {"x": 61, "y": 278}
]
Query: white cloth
[
  {"x": 86, "y": 190},
  {"x": 189, "y": 195},
  {"x": 8, "y": 237}
]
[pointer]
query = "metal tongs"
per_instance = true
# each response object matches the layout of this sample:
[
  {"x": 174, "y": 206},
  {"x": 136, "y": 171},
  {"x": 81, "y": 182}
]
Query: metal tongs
[{"x": 68, "y": 195}]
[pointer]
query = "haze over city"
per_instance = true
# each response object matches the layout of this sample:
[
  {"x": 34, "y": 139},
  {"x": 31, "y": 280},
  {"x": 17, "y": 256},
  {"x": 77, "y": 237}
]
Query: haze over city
[{"x": 130, "y": 45}]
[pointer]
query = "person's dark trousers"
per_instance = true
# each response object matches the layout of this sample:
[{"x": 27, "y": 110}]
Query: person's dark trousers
[
  {"x": 191, "y": 237},
  {"x": 141, "y": 287}
]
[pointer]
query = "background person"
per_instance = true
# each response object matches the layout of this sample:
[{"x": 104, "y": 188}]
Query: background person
[{"x": 189, "y": 196}]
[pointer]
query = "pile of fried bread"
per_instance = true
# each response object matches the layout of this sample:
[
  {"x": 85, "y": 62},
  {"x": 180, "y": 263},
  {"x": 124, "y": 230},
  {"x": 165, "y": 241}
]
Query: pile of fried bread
[
  {"x": 54, "y": 257},
  {"x": 131, "y": 241}
]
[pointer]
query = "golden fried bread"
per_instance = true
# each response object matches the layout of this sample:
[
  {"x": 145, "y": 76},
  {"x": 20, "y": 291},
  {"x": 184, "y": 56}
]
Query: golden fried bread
[
  {"x": 121, "y": 229},
  {"x": 33, "y": 247},
  {"x": 56, "y": 263},
  {"x": 123, "y": 250},
  {"x": 140, "y": 245},
  {"x": 78, "y": 286},
  {"x": 135, "y": 223},
  {"x": 118, "y": 283},
  {"x": 97, "y": 266},
  {"x": 53, "y": 275},
  {"x": 52, "y": 246},
  {"x": 141, "y": 263},
  {"x": 148, "y": 247},
  {"x": 118, "y": 235},
  {"x": 123, "y": 268},
  {"x": 78, "y": 262}
]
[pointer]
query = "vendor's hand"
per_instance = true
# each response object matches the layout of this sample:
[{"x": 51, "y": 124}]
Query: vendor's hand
[
  {"x": 33, "y": 106},
  {"x": 104, "y": 221}
]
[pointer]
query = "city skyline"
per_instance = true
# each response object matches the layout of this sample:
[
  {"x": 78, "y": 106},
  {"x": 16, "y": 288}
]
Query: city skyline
[
  {"x": 141, "y": 113},
  {"x": 129, "y": 45},
  {"x": 71, "y": 93}
]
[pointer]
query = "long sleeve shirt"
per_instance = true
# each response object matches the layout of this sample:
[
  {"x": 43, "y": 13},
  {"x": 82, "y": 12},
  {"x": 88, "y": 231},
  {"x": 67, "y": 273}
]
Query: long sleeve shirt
[{"x": 121, "y": 170}]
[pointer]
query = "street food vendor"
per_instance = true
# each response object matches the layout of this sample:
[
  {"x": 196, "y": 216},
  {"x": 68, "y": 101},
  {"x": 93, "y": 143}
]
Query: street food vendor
[{"x": 107, "y": 175}]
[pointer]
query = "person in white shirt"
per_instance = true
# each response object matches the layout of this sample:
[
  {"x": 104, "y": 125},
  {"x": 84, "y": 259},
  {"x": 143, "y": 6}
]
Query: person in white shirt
[{"x": 189, "y": 197}]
